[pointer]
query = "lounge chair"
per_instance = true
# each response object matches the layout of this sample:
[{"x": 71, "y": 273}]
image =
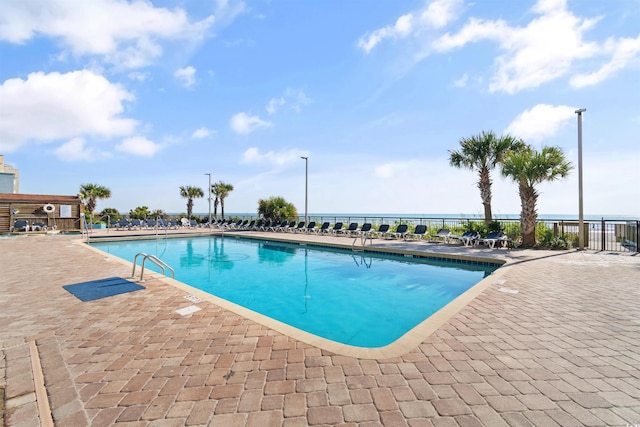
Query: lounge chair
[
  {"x": 444, "y": 234},
  {"x": 290, "y": 226},
  {"x": 323, "y": 228},
  {"x": 491, "y": 239},
  {"x": 135, "y": 224},
  {"x": 365, "y": 230},
  {"x": 336, "y": 227},
  {"x": 193, "y": 223},
  {"x": 299, "y": 227},
  {"x": 418, "y": 233},
  {"x": 353, "y": 227},
  {"x": 277, "y": 226},
  {"x": 124, "y": 224},
  {"x": 382, "y": 230},
  {"x": 20, "y": 225},
  {"x": 311, "y": 227},
  {"x": 399, "y": 233},
  {"x": 38, "y": 226},
  {"x": 467, "y": 239}
]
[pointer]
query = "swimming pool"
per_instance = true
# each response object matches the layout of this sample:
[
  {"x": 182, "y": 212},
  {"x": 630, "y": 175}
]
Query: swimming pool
[{"x": 360, "y": 299}]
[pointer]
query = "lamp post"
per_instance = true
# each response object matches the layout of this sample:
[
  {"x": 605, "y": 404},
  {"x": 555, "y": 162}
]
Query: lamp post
[
  {"x": 580, "y": 208},
  {"x": 306, "y": 189},
  {"x": 209, "y": 225}
]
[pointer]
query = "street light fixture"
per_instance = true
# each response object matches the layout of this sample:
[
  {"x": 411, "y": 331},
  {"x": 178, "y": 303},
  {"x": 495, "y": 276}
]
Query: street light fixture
[
  {"x": 209, "y": 225},
  {"x": 580, "y": 207},
  {"x": 306, "y": 189}
]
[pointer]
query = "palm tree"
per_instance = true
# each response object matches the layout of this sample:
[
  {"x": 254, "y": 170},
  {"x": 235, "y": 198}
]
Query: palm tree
[
  {"x": 482, "y": 153},
  {"x": 190, "y": 193},
  {"x": 90, "y": 193},
  {"x": 528, "y": 167},
  {"x": 220, "y": 190}
]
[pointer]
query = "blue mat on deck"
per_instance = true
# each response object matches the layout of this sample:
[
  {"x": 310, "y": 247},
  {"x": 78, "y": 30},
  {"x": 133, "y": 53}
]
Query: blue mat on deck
[{"x": 96, "y": 289}]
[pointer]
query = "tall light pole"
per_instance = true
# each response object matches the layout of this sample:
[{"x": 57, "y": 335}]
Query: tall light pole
[
  {"x": 580, "y": 208},
  {"x": 209, "y": 199},
  {"x": 306, "y": 189}
]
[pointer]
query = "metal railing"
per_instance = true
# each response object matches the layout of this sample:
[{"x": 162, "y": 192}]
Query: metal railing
[
  {"x": 600, "y": 235},
  {"x": 157, "y": 261}
]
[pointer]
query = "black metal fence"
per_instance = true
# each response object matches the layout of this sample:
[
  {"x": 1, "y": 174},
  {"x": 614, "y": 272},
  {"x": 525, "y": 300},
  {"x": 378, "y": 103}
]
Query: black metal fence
[{"x": 599, "y": 235}]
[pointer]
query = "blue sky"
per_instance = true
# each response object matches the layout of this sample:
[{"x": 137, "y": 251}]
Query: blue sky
[{"x": 145, "y": 97}]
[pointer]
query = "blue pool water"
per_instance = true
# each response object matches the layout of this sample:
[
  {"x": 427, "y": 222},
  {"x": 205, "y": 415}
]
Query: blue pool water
[{"x": 360, "y": 299}]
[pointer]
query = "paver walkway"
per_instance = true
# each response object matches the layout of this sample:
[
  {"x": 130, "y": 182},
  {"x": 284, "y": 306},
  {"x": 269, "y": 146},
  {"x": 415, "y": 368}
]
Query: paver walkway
[{"x": 564, "y": 350}]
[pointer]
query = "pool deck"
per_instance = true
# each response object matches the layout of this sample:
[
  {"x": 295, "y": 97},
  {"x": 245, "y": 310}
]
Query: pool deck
[{"x": 564, "y": 350}]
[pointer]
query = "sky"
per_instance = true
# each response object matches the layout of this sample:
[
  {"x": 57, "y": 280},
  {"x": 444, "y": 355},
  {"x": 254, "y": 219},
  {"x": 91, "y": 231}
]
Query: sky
[{"x": 144, "y": 97}]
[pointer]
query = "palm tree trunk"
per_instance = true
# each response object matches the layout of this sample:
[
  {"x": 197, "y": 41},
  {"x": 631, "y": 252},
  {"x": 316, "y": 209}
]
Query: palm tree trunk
[
  {"x": 484, "y": 184},
  {"x": 222, "y": 207},
  {"x": 189, "y": 208},
  {"x": 215, "y": 206},
  {"x": 529, "y": 214}
]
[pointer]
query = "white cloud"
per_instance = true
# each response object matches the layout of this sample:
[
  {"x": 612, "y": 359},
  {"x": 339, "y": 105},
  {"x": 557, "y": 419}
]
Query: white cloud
[
  {"x": 543, "y": 50},
  {"x": 202, "y": 133},
  {"x": 435, "y": 15},
  {"x": 243, "y": 123},
  {"x": 76, "y": 150},
  {"x": 462, "y": 81},
  {"x": 186, "y": 76},
  {"x": 227, "y": 10},
  {"x": 274, "y": 104},
  {"x": 138, "y": 146},
  {"x": 138, "y": 76},
  {"x": 126, "y": 34},
  {"x": 401, "y": 28},
  {"x": 624, "y": 52},
  {"x": 49, "y": 107},
  {"x": 540, "y": 122},
  {"x": 275, "y": 158},
  {"x": 296, "y": 98}
]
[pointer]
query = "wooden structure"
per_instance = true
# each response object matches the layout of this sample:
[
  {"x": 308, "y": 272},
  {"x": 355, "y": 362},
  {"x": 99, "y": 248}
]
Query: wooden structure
[{"x": 56, "y": 212}]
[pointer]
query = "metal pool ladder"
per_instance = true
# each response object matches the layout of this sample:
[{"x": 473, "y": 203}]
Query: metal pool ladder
[
  {"x": 363, "y": 241},
  {"x": 154, "y": 259}
]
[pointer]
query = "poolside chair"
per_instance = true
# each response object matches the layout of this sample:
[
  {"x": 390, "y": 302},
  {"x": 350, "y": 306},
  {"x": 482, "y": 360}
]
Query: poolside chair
[
  {"x": 323, "y": 228},
  {"x": 468, "y": 238},
  {"x": 336, "y": 227},
  {"x": 365, "y": 230},
  {"x": 310, "y": 228},
  {"x": 20, "y": 225},
  {"x": 185, "y": 222},
  {"x": 193, "y": 223},
  {"x": 123, "y": 224},
  {"x": 353, "y": 227},
  {"x": 265, "y": 226},
  {"x": 491, "y": 239},
  {"x": 299, "y": 227},
  {"x": 150, "y": 223},
  {"x": 277, "y": 226},
  {"x": 290, "y": 226},
  {"x": 163, "y": 223},
  {"x": 135, "y": 224},
  {"x": 399, "y": 233},
  {"x": 38, "y": 226},
  {"x": 380, "y": 232},
  {"x": 444, "y": 234},
  {"x": 418, "y": 233}
]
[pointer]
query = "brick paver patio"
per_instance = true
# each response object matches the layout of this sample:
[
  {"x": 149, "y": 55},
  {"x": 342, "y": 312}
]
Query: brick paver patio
[{"x": 564, "y": 350}]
